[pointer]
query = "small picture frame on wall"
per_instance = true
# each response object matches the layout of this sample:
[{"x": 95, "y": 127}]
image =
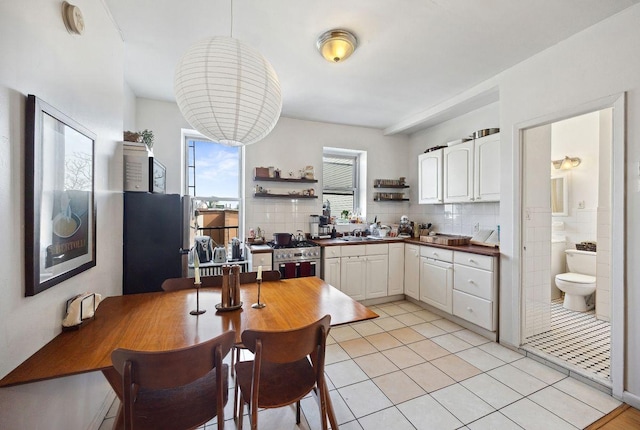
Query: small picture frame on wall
[{"x": 60, "y": 214}]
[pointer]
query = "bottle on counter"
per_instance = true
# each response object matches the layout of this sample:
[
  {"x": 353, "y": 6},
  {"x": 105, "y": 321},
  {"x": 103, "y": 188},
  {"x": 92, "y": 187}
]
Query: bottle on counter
[{"x": 334, "y": 233}]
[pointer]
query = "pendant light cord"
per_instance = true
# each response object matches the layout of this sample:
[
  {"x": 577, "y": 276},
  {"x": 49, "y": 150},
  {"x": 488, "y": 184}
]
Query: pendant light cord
[{"x": 231, "y": 13}]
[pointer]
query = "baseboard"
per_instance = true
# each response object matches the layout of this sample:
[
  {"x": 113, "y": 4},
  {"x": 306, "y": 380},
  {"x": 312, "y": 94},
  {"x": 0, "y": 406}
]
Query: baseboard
[
  {"x": 631, "y": 399},
  {"x": 102, "y": 412}
]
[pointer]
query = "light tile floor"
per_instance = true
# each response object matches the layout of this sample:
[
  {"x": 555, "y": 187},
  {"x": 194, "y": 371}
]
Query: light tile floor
[{"x": 411, "y": 369}]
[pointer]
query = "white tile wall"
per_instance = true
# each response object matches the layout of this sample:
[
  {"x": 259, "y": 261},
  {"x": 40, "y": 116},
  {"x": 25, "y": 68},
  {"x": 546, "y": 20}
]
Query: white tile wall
[
  {"x": 458, "y": 218},
  {"x": 537, "y": 272}
]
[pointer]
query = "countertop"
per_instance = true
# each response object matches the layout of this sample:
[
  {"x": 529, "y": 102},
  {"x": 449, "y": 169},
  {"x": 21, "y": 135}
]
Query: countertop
[{"x": 474, "y": 249}]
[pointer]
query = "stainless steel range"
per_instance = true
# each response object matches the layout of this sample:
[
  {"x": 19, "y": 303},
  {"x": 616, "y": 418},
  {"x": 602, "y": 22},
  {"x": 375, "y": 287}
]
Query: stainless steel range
[{"x": 296, "y": 260}]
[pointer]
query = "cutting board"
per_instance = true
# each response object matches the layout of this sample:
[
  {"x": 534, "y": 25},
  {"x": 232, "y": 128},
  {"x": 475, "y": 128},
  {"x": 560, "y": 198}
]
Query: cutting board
[{"x": 445, "y": 239}]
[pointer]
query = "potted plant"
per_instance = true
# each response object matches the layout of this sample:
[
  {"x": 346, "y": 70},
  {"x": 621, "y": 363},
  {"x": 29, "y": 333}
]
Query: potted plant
[{"x": 145, "y": 136}]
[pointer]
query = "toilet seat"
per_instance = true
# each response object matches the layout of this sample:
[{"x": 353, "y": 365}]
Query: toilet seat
[{"x": 576, "y": 278}]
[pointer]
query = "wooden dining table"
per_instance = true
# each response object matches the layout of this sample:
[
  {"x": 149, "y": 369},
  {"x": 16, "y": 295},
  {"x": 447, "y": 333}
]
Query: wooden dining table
[{"x": 162, "y": 321}]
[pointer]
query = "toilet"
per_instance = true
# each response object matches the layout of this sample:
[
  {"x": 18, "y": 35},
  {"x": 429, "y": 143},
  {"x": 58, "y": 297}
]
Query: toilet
[{"x": 580, "y": 281}]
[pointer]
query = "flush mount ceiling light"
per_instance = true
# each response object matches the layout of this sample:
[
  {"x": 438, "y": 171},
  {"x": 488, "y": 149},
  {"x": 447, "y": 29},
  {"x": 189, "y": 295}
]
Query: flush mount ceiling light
[
  {"x": 337, "y": 45},
  {"x": 566, "y": 163}
]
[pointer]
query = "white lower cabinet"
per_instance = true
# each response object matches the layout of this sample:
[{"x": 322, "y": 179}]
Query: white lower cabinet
[
  {"x": 459, "y": 283},
  {"x": 360, "y": 271},
  {"x": 436, "y": 283},
  {"x": 412, "y": 271},
  {"x": 395, "y": 284},
  {"x": 475, "y": 289},
  {"x": 352, "y": 277}
]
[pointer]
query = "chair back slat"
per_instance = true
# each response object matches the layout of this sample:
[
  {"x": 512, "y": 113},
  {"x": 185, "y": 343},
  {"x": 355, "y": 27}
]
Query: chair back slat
[
  {"x": 167, "y": 369},
  {"x": 284, "y": 346}
]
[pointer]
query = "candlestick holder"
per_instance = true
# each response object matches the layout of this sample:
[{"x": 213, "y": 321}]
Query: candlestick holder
[
  {"x": 258, "y": 305},
  {"x": 197, "y": 310}
]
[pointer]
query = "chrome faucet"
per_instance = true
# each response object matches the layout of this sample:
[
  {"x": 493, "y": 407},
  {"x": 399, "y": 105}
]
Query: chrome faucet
[{"x": 356, "y": 232}]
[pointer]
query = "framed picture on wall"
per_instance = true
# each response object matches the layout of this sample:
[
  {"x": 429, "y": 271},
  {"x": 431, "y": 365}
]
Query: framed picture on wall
[{"x": 60, "y": 215}]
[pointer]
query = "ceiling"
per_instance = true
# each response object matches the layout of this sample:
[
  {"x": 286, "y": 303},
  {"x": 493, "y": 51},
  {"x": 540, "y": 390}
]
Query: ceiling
[{"x": 413, "y": 55}]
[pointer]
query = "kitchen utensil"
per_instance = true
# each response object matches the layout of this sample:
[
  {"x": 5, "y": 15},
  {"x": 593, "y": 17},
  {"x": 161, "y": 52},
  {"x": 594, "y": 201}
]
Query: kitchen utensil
[
  {"x": 235, "y": 249},
  {"x": 485, "y": 132},
  {"x": 282, "y": 239},
  {"x": 314, "y": 223},
  {"x": 300, "y": 236},
  {"x": 383, "y": 230}
]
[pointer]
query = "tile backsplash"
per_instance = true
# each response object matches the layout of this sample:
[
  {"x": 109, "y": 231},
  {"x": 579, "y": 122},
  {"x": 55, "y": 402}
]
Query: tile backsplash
[{"x": 459, "y": 218}]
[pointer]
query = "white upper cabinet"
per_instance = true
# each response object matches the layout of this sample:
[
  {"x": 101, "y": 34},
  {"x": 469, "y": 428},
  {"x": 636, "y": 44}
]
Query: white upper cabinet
[
  {"x": 487, "y": 169},
  {"x": 430, "y": 177},
  {"x": 458, "y": 173}
]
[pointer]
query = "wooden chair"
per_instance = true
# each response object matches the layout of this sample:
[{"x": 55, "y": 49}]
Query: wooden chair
[
  {"x": 287, "y": 365},
  {"x": 174, "y": 284},
  {"x": 178, "y": 389}
]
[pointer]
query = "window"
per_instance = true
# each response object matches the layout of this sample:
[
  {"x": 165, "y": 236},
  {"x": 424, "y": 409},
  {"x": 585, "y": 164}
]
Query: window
[
  {"x": 213, "y": 178},
  {"x": 340, "y": 181}
]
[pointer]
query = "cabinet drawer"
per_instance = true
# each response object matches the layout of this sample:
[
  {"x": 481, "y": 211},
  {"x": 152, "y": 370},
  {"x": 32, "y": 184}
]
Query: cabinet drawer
[
  {"x": 377, "y": 249},
  {"x": 436, "y": 253},
  {"x": 473, "y": 281},
  {"x": 473, "y": 260},
  {"x": 332, "y": 251},
  {"x": 353, "y": 250},
  {"x": 473, "y": 309}
]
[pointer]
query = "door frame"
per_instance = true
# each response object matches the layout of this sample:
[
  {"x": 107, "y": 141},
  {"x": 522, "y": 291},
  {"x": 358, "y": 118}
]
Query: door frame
[{"x": 618, "y": 221}]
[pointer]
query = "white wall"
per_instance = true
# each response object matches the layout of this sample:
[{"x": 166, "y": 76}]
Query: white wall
[
  {"x": 601, "y": 61},
  {"x": 81, "y": 76},
  {"x": 579, "y": 137}
]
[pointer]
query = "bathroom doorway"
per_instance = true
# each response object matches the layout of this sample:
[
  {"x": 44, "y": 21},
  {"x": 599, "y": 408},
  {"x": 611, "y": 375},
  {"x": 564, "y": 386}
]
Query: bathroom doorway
[{"x": 567, "y": 203}]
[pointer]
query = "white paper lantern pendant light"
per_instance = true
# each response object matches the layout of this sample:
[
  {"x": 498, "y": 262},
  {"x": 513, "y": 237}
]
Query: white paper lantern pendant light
[{"x": 228, "y": 91}]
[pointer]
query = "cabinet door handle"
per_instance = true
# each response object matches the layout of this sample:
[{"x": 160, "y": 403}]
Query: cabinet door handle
[
  {"x": 469, "y": 309},
  {"x": 471, "y": 260},
  {"x": 478, "y": 198},
  {"x": 471, "y": 281}
]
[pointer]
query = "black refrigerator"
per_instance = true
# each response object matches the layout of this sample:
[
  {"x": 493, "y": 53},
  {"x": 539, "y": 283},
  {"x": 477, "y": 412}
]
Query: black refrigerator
[{"x": 153, "y": 231}]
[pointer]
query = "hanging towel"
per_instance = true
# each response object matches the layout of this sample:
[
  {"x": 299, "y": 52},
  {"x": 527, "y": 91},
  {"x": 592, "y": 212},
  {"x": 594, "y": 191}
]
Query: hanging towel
[
  {"x": 289, "y": 270},
  {"x": 305, "y": 269}
]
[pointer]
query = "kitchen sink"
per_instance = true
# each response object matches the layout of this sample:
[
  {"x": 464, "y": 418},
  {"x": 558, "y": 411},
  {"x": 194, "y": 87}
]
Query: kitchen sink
[{"x": 353, "y": 238}]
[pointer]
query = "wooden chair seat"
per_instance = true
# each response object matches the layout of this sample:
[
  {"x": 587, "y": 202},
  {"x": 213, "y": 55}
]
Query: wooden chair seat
[{"x": 280, "y": 383}]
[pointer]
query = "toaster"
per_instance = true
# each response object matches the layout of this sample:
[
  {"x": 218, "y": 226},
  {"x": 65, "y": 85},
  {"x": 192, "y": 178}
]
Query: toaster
[{"x": 219, "y": 255}]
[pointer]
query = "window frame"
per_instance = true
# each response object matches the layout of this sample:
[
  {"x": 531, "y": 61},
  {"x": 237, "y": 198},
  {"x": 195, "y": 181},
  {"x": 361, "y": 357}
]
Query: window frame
[{"x": 356, "y": 188}]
